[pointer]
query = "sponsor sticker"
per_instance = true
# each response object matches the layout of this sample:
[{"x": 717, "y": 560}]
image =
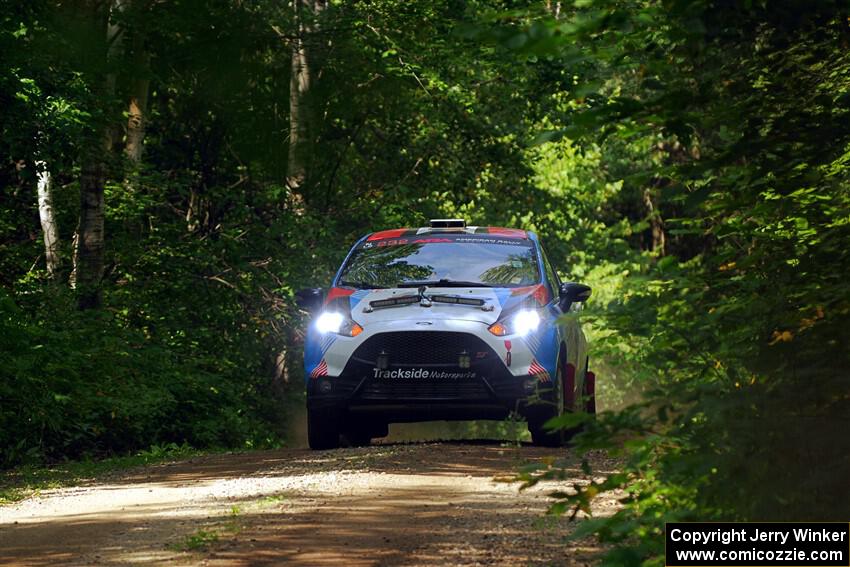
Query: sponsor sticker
[
  {"x": 420, "y": 374},
  {"x": 502, "y": 241},
  {"x": 398, "y": 242}
]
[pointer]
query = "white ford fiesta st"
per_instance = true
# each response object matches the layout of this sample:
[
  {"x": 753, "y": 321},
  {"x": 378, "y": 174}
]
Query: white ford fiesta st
[{"x": 443, "y": 322}]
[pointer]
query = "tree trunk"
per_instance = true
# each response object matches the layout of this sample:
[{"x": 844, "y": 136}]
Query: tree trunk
[
  {"x": 114, "y": 53},
  {"x": 89, "y": 250},
  {"x": 305, "y": 12},
  {"x": 48, "y": 220},
  {"x": 88, "y": 259},
  {"x": 138, "y": 102},
  {"x": 656, "y": 223}
]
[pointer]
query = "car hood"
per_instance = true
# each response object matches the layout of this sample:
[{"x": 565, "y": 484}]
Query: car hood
[{"x": 367, "y": 306}]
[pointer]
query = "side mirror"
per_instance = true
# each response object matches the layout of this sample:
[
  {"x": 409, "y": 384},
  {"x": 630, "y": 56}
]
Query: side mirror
[
  {"x": 309, "y": 299},
  {"x": 572, "y": 292}
]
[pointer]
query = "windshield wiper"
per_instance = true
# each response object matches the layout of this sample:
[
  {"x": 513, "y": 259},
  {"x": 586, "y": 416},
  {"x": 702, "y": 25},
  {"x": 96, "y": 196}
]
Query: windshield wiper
[
  {"x": 442, "y": 283},
  {"x": 361, "y": 285}
]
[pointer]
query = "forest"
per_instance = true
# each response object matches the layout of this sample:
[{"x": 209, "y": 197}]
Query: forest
[{"x": 172, "y": 172}]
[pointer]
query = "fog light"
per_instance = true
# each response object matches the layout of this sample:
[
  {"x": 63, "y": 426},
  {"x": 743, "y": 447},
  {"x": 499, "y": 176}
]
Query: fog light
[
  {"x": 530, "y": 385},
  {"x": 325, "y": 386},
  {"x": 383, "y": 361}
]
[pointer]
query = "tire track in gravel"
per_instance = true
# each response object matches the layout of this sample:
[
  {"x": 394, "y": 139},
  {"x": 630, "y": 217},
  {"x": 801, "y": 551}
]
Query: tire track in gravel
[{"x": 395, "y": 504}]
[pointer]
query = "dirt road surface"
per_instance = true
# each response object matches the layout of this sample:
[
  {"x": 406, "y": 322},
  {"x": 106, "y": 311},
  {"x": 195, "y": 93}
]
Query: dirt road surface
[{"x": 394, "y": 504}]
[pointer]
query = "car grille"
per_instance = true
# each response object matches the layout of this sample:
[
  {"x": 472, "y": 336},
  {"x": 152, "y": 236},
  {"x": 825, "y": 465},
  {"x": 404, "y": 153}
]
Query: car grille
[
  {"x": 435, "y": 350},
  {"x": 422, "y": 348},
  {"x": 430, "y": 391}
]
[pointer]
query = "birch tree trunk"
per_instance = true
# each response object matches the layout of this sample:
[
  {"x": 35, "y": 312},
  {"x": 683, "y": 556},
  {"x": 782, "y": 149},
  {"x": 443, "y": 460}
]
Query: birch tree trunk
[
  {"x": 47, "y": 217},
  {"x": 305, "y": 13}
]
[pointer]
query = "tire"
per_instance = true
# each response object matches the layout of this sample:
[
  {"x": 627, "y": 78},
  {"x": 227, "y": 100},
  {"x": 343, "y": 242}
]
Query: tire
[
  {"x": 361, "y": 434},
  {"x": 565, "y": 402},
  {"x": 589, "y": 391},
  {"x": 357, "y": 438},
  {"x": 322, "y": 429},
  {"x": 380, "y": 429},
  {"x": 568, "y": 434},
  {"x": 540, "y": 436}
]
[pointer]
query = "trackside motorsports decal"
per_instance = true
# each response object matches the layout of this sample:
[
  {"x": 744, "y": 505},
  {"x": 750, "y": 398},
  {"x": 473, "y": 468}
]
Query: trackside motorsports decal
[{"x": 420, "y": 374}]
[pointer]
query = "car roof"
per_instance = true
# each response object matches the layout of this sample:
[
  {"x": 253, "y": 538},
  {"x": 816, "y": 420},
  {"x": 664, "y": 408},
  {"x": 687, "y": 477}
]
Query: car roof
[{"x": 499, "y": 231}]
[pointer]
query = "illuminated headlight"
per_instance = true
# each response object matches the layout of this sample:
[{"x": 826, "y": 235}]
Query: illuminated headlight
[
  {"x": 526, "y": 321},
  {"x": 334, "y": 322},
  {"x": 522, "y": 323},
  {"x": 329, "y": 322}
]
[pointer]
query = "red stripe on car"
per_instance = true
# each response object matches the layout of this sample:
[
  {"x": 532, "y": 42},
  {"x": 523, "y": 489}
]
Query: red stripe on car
[
  {"x": 336, "y": 292},
  {"x": 539, "y": 292},
  {"x": 507, "y": 232},
  {"x": 384, "y": 234}
]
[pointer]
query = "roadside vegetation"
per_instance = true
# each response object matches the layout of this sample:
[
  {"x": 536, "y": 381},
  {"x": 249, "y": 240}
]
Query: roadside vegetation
[
  {"x": 29, "y": 480},
  {"x": 173, "y": 172},
  {"x": 203, "y": 539}
]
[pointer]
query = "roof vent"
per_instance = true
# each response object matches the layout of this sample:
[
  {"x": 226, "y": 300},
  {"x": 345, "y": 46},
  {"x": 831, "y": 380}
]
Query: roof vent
[{"x": 448, "y": 223}]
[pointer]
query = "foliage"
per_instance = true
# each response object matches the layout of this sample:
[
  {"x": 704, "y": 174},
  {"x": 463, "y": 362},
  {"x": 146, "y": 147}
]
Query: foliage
[
  {"x": 198, "y": 541},
  {"x": 81, "y": 382},
  {"x": 736, "y": 322},
  {"x": 687, "y": 158}
]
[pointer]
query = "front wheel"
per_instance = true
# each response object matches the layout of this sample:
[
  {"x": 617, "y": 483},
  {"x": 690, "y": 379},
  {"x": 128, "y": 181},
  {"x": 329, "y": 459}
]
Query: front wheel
[
  {"x": 589, "y": 390},
  {"x": 565, "y": 402},
  {"x": 361, "y": 433},
  {"x": 590, "y": 394},
  {"x": 357, "y": 438},
  {"x": 322, "y": 429},
  {"x": 541, "y": 436}
]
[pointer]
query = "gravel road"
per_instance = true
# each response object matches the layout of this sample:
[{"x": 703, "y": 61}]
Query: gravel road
[{"x": 394, "y": 504}]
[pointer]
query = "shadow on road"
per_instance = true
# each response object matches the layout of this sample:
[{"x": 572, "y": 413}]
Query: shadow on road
[{"x": 392, "y": 504}]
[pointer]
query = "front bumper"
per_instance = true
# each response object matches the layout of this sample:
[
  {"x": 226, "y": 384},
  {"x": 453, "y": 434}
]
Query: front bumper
[
  {"x": 407, "y": 402},
  {"x": 416, "y": 376}
]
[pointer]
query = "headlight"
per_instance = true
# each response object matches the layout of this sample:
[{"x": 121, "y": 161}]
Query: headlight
[
  {"x": 334, "y": 322},
  {"x": 522, "y": 323},
  {"x": 526, "y": 321}
]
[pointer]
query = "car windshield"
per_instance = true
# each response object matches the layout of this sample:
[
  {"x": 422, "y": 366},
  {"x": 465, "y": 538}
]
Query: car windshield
[{"x": 457, "y": 260}]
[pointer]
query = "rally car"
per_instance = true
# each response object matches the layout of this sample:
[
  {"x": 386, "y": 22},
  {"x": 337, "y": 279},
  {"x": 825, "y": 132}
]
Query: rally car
[{"x": 443, "y": 322}]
